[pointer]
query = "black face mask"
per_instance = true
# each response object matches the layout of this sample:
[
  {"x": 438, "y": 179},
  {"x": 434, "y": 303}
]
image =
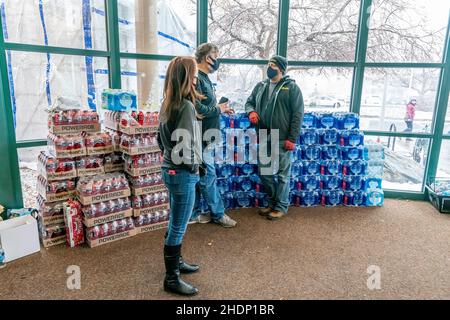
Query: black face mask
[
  {"x": 271, "y": 73},
  {"x": 215, "y": 65}
]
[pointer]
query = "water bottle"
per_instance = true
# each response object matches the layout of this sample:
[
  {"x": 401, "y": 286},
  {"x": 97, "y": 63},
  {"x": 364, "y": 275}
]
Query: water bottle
[
  {"x": 260, "y": 200},
  {"x": 309, "y": 137},
  {"x": 375, "y": 169},
  {"x": 295, "y": 198},
  {"x": 355, "y": 168},
  {"x": 331, "y": 153},
  {"x": 243, "y": 199},
  {"x": 354, "y": 198},
  {"x": 223, "y": 185},
  {"x": 352, "y": 153},
  {"x": 373, "y": 183},
  {"x": 248, "y": 169},
  {"x": 224, "y": 171},
  {"x": 332, "y": 198},
  {"x": 257, "y": 183},
  {"x": 309, "y": 121},
  {"x": 330, "y": 167},
  {"x": 329, "y": 136},
  {"x": 310, "y": 183},
  {"x": 347, "y": 121},
  {"x": 327, "y": 121},
  {"x": 330, "y": 182},
  {"x": 352, "y": 138},
  {"x": 298, "y": 153},
  {"x": 309, "y": 199},
  {"x": 243, "y": 121},
  {"x": 375, "y": 198},
  {"x": 312, "y": 153},
  {"x": 353, "y": 183},
  {"x": 228, "y": 201},
  {"x": 297, "y": 169},
  {"x": 224, "y": 122},
  {"x": 311, "y": 168}
]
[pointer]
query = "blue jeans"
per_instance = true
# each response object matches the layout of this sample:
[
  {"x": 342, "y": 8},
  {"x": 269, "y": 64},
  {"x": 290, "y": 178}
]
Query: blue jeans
[
  {"x": 181, "y": 185},
  {"x": 277, "y": 185},
  {"x": 208, "y": 188}
]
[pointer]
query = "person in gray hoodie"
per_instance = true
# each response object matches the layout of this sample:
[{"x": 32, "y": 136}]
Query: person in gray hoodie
[{"x": 277, "y": 104}]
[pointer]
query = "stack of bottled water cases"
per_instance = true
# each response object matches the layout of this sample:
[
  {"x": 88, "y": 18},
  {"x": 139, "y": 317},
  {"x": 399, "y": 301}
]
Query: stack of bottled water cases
[
  {"x": 374, "y": 154},
  {"x": 236, "y": 165},
  {"x": 330, "y": 164}
]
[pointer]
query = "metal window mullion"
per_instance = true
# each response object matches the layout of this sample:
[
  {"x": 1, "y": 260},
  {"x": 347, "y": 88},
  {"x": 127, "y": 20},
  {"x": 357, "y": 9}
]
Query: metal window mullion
[
  {"x": 112, "y": 27},
  {"x": 54, "y": 50},
  {"x": 441, "y": 111},
  {"x": 11, "y": 190},
  {"x": 283, "y": 27},
  {"x": 202, "y": 21},
  {"x": 360, "y": 55}
]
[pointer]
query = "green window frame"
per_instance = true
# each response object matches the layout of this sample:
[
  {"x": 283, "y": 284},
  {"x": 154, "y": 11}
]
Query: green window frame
[{"x": 11, "y": 194}]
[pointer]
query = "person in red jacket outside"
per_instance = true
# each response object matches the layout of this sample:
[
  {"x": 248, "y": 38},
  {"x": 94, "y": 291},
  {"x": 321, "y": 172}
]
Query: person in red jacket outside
[{"x": 410, "y": 115}]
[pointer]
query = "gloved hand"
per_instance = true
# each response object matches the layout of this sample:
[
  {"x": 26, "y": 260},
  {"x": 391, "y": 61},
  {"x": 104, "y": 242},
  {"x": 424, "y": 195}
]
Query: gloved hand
[
  {"x": 254, "y": 117},
  {"x": 289, "y": 145}
]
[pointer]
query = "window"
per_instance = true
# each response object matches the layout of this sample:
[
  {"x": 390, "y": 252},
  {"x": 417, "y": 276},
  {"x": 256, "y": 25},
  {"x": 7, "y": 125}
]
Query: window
[
  {"x": 158, "y": 27},
  {"x": 404, "y": 167},
  {"x": 146, "y": 78},
  {"x": 386, "y": 96},
  {"x": 323, "y": 30},
  {"x": 447, "y": 120},
  {"x": 39, "y": 79},
  {"x": 444, "y": 161},
  {"x": 324, "y": 89},
  {"x": 236, "y": 82},
  {"x": 28, "y": 163},
  {"x": 245, "y": 29},
  {"x": 64, "y": 23},
  {"x": 407, "y": 31}
]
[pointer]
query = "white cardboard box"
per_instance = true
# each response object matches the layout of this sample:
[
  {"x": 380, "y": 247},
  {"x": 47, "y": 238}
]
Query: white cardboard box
[{"x": 19, "y": 237}]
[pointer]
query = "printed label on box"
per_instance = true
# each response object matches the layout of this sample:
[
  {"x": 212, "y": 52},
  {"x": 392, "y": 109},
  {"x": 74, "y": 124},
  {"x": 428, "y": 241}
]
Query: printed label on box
[
  {"x": 47, "y": 243},
  {"x": 152, "y": 227},
  {"x": 150, "y": 210},
  {"x": 52, "y": 220},
  {"x": 75, "y": 128},
  {"x": 148, "y": 190},
  {"x": 113, "y": 167},
  {"x": 136, "y": 172},
  {"x": 87, "y": 200},
  {"x": 58, "y": 196},
  {"x": 135, "y": 151},
  {"x": 68, "y": 154},
  {"x": 113, "y": 238},
  {"x": 67, "y": 175},
  {"x": 137, "y": 130},
  {"x": 108, "y": 218},
  {"x": 90, "y": 172},
  {"x": 93, "y": 151}
]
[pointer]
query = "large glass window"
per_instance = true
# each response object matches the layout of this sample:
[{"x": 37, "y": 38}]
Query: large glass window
[
  {"x": 236, "y": 82},
  {"x": 447, "y": 120},
  {"x": 245, "y": 29},
  {"x": 38, "y": 79},
  {"x": 444, "y": 161},
  {"x": 64, "y": 23},
  {"x": 146, "y": 78},
  {"x": 158, "y": 27},
  {"x": 28, "y": 164},
  {"x": 323, "y": 30},
  {"x": 407, "y": 31},
  {"x": 404, "y": 167},
  {"x": 324, "y": 89},
  {"x": 387, "y": 96}
]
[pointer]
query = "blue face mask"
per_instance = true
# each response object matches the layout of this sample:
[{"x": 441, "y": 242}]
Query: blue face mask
[
  {"x": 215, "y": 65},
  {"x": 271, "y": 73}
]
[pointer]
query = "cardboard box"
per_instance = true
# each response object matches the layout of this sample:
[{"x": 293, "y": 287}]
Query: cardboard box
[
  {"x": 75, "y": 128},
  {"x": 19, "y": 237},
  {"x": 135, "y": 151},
  {"x": 114, "y": 167},
  {"x": 60, "y": 154},
  {"x": 87, "y": 200},
  {"x": 109, "y": 123},
  {"x": 152, "y": 227},
  {"x": 92, "y": 151},
  {"x": 56, "y": 197},
  {"x": 90, "y": 172},
  {"x": 140, "y": 212},
  {"x": 148, "y": 190},
  {"x": 137, "y": 172},
  {"x": 49, "y": 220},
  {"x": 138, "y": 129},
  {"x": 60, "y": 176},
  {"x": 91, "y": 222},
  {"x": 48, "y": 243},
  {"x": 110, "y": 239}
]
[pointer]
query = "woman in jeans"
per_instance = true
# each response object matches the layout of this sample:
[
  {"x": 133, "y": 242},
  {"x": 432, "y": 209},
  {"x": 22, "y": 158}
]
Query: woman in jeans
[{"x": 179, "y": 138}]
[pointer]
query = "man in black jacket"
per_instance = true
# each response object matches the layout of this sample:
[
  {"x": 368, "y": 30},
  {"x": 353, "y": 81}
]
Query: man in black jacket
[
  {"x": 207, "y": 62},
  {"x": 276, "y": 104}
]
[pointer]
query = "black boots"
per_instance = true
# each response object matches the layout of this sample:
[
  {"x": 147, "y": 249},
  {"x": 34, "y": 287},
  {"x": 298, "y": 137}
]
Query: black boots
[
  {"x": 187, "y": 268},
  {"x": 172, "y": 282}
]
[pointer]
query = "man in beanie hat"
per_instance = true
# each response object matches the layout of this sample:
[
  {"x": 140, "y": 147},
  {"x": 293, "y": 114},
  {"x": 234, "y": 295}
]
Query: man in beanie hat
[{"x": 277, "y": 104}]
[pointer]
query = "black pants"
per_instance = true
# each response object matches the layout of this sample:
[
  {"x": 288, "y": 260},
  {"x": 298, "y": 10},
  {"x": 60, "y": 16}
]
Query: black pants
[{"x": 409, "y": 126}]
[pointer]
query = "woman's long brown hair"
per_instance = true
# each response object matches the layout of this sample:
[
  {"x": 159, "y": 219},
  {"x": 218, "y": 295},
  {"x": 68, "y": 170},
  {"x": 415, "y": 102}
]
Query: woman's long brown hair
[{"x": 179, "y": 85}]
